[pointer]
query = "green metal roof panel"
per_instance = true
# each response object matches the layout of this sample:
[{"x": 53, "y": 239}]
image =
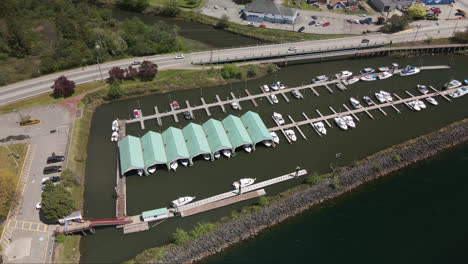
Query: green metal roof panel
[
  {"x": 174, "y": 143},
  {"x": 236, "y": 131},
  {"x": 216, "y": 135},
  {"x": 154, "y": 212},
  {"x": 196, "y": 140},
  {"x": 255, "y": 126},
  {"x": 153, "y": 149},
  {"x": 131, "y": 155}
]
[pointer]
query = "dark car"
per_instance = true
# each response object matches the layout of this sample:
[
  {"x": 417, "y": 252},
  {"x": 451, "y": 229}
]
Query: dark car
[
  {"x": 52, "y": 169},
  {"x": 301, "y": 29},
  {"x": 365, "y": 41},
  {"x": 54, "y": 159},
  {"x": 349, "y": 21},
  {"x": 362, "y": 21},
  {"x": 314, "y": 17},
  {"x": 187, "y": 115},
  {"x": 312, "y": 23}
]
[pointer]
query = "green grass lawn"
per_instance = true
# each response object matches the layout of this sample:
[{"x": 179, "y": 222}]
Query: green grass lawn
[
  {"x": 181, "y": 3},
  {"x": 303, "y": 5}
]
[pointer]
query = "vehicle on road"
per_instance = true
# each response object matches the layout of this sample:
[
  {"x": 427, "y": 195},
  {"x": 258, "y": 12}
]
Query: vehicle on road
[
  {"x": 137, "y": 62},
  {"x": 311, "y": 23},
  {"x": 180, "y": 56},
  {"x": 262, "y": 26},
  {"x": 318, "y": 24},
  {"x": 349, "y": 21},
  {"x": 215, "y": 7},
  {"x": 364, "y": 41},
  {"x": 368, "y": 20},
  {"x": 355, "y": 21},
  {"x": 362, "y": 15},
  {"x": 326, "y": 24},
  {"x": 38, "y": 205},
  {"x": 292, "y": 49},
  {"x": 314, "y": 17},
  {"x": 316, "y": 4},
  {"x": 52, "y": 169},
  {"x": 251, "y": 24},
  {"x": 55, "y": 159},
  {"x": 301, "y": 29}
]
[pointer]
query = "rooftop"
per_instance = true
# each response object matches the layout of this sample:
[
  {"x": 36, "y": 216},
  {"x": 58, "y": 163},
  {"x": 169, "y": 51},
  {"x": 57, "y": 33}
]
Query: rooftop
[
  {"x": 236, "y": 131},
  {"x": 131, "y": 156},
  {"x": 216, "y": 135},
  {"x": 255, "y": 126},
  {"x": 153, "y": 149},
  {"x": 174, "y": 143},
  {"x": 196, "y": 140},
  {"x": 269, "y": 7},
  {"x": 155, "y": 212}
]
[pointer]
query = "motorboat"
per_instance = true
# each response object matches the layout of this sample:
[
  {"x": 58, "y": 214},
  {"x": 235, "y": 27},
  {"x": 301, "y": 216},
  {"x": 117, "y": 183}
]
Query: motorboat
[
  {"x": 182, "y": 201},
  {"x": 115, "y": 136},
  {"x": 422, "y": 88},
  {"x": 275, "y": 137},
  {"x": 280, "y": 85},
  {"x": 206, "y": 156},
  {"x": 247, "y": 148},
  {"x": 368, "y": 100},
  {"x": 115, "y": 125},
  {"x": 415, "y": 106},
  {"x": 465, "y": 81},
  {"x": 274, "y": 87},
  {"x": 184, "y": 162},
  {"x": 369, "y": 78},
  {"x": 452, "y": 84},
  {"x": 385, "y": 75},
  {"x": 383, "y": 69},
  {"x": 349, "y": 121},
  {"x": 136, "y": 113},
  {"x": 152, "y": 169},
  {"x": 353, "y": 80},
  {"x": 243, "y": 183},
  {"x": 140, "y": 172},
  {"x": 235, "y": 106},
  {"x": 320, "y": 128},
  {"x": 226, "y": 152},
  {"x": 343, "y": 74},
  {"x": 421, "y": 104},
  {"x": 266, "y": 88},
  {"x": 297, "y": 94},
  {"x": 278, "y": 118},
  {"x": 187, "y": 115},
  {"x": 432, "y": 101},
  {"x": 459, "y": 92},
  {"x": 341, "y": 123},
  {"x": 387, "y": 96},
  {"x": 380, "y": 97},
  {"x": 217, "y": 155},
  {"x": 409, "y": 70},
  {"x": 320, "y": 79},
  {"x": 395, "y": 66},
  {"x": 274, "y": 98},
  {"x": 367, "y": 71},
  {"x": 341, "y": 86},
  {"x": 267, "y": 143},
  {"x": 291, "y": 134},
  {"x": 175, "y": 105},
  {"x": 174, "y": 165},
  {"x": 355, "y": 103}
]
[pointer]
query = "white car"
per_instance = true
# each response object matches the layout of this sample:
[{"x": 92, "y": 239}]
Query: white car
[
  {"x": 318, "y": 24},
  {"x": 137, "y": 62},
  {"x": 180, "y": 56},
  {"x": 38, "y": 205},
  {"x": 362, "y": 15},
  {"x": 292, "y": 49}
]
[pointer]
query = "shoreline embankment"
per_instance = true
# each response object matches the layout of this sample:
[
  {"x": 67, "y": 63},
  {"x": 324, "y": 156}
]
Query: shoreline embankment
[{"x": 372, "y": 167}]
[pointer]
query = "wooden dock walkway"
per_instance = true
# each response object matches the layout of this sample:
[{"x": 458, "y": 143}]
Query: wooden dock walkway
[
  {"x": 320, "y": 114},
  {"x": 312, "y": 125},
  {"x": 297, "y": 127},
  {"x": 121, "y": 182},
  {"x": 354, "y": 115},
  {"x": 438, "y": 92}
]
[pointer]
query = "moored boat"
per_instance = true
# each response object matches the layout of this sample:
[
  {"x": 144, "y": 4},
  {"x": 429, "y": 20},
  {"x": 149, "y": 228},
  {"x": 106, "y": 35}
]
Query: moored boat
[
  {"x": 432, "y": 101},
  {"x": 385, "y": 75},
  {"x": 367, "y": 71},
  {"x": 383, "y": 69},
  {"x": 355, "y": 103},
  {"x": 115, "y": 125},
  {"x": 217, "y": 155},
  {"x": 291, "y": 134},
  {"x": 182, "y": 201},
  {"x": 414, "y": 106},
  {"x": 368, "y": 100},
  {"x": 409, "y": 70},
  {"x": 278, "y": 118},
  {"x": 273, "y": 98},
  {"x": 341, "y": 86},
  {"x": 452, "y": 84},
  {"x": 174, "y": 165},
  {"x": 343, "y": 74},
  {"x": 422, "y": 88},
  {"x": 115, "y": 136},
  {"x": 152, "y": 169},
  {"x": 297, "y": 94},
  {"x": 136, "y": 113},
  {"x": 206, "y": 156},
  {"x": 247, "y": 148},
  {"x": 226, "y": 152},
  {"x": 421, "y": 104},
  {"x": 320, "y": 79},
  {"x": 140, "y": 172},
  {"x": 266, "y": 88},
  {"x": 320, "y": 128},
  {"x": 175, "y": 105},
  {"x": 280, "y": 85},
  {"x": 341, "y": 123},
  {"x": 235, "y": 106},
  {"x": 243, "y": 183},
  {"x": 353, "y": 80},
  {"x": 369, "y": 78},
  {"x": 349, "y": 121},
  {"x": 387, "y": 96},
  {"x": 380, "y": 97},
  {"x": 274, "y": 87},
  {"x": 267, "y": 143},
  {"x": 275, "y": 137},
  {"x": 184, "y": 162}
]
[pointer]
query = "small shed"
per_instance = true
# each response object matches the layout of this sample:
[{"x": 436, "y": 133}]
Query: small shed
[
  {"x": 156, "y": 214},
  {"x": 74, "y": 216}
]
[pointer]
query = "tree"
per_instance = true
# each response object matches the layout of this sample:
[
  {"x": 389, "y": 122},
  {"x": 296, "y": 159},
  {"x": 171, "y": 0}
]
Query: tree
[
  {"x": 395, "y": 23},
  {"x": 380, "y": 20},
  {"x": 416, "y": 12},
  {"x": 131, "y": 73},
  {"x": 115, "y": 91},
  {"x": 461, "y": 37},
  {"x": 170, "y": 8},
  {"x": 133, "y": 5},
  {"x": 231, "y": 71},
  {"x": 116, "y": 74},
  {"x": 63, "y": 87},
  {"x": 56, "y": 202},
  {"x": 223, "y": 22},
  {"x": 148, "y": 70},
  {"x": 181, "y": 236}
]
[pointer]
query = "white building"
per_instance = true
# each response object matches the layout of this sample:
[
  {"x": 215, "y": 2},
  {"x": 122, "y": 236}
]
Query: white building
[{"x": 264, "y": 10}]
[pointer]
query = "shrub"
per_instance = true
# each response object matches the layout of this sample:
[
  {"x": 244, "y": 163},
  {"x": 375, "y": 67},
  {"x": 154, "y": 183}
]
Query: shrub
[
  {"x": 271, "y": 68},
  {"x": 115, "y": 91},
  {"x": 60, "y": 238},
  {"x": 395, "y": 23},
  {"x": 263, "y": 201},
  {"x": 396, "y": 157},
  {"x": 335, "y": 183},
  {"x": 223, "y": 22},
  {"x": 231, "y": 71},
  {"x": 133, "y": 5},
  {"x": 170, "y": 9},
  {"x": 377, "y": 167},
  {"x": 252, "y": 71},
  {"x": 460, "y": 37},
  {"x": 201, "y": 229},
  {"x": 147, "y": 71},
  {"x": 63, "y": 87},
  {"x": 180, "y": 236},
  {"x": 416, "y": 12},
  {"x": 313, "y": 179},
  {"x": 116, "y": 74},
  {"x": 67, "y": 177}
]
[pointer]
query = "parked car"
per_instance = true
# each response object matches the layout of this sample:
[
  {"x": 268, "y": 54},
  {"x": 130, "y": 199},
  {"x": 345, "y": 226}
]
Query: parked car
[
  {"x": 436, "y": 10},
  {"x": 262, "y": 26},
  {"x": 137, "y": 62},
  {"x": 301, "y": 29},
  {"x": 362, "y": 21},
  {"x": 312, "y": 23},
  {"x": 326, "y": 24},
  {"x": 355, "y": 21},
  {"x": 251, "y": 24},
  {"x": 364, "y": 41},
  {"x": 316, "y": 4},
  {"x": 349, "y": 21},
  {"x": 362, "y": 15},
  {"x": 52, "y": 179},
  {"x": 318, "y": 24},
  {"x": 369, "y": 19},
  {"x": 52, "y": 169},
  {"x": 314, "y": 17},
  {"x": 180, "y": 56},
  {"x": 292, "y": 49},
  {"x": 54, "y": 159},
  {"x": 241, "y": 11},
  {"x": 38, "y": 205}
]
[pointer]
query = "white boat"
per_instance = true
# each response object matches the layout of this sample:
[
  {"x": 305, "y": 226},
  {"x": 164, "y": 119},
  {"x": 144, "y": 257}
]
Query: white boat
[
  {"x": 385, "y": 75},
  {"x": 280, "y": 85},
  {"x": 267, "y": 143},
  {"x": 432, "y": 101},
  {"x": 243, "y": 183},
  {"x": 320, "y": 128},
  {"x": 206, "y": 156},
  {"x": 184, "y": 162},
  {"x": 235, "y": 106},
  {"x": 367, "y": 71},
  {"x": 115, "y": 125},
  {"x": 152, "y": 169},
  {"x": 274, "y": 87},
  {"x": 415, "y": 106},
  {"x": 452, "y": 84},
  {"x": 278, "y": 118},
  {"x": 369, "y": 78},
  {"x": 355, "y": 103},
  {"x": 140, "y": 172},
  {"x": 421, "y": 104},
  {"x": 247, "y": 148},
  {"x": 368, "y": 100},
  {"x": 217, "y": 155},
  {"x": 174, "y": 165},
  {"x": 349, "y": 121},
  {"x": 380, "y": 97},
  {"x": 341, "y": 86},
  {"x": 320, "y": 79},
  {"x": 115, "y": 136},
  {"x": 409, "y": 70},
  {"x": 274, "y": 98},
  {"x": 383, "y": 69},
  {"x": 275, "y": 137},
  {"x": 291, "y": 134},
  {"x": 266, "y": 88},
  {"x": 182, "y": 201},
  {"x": 387, "y": 96},
  {"x": 341, "y": 123},
  {"x": 226, "y": 152},
  {"x": 297, "y": 94},
  {"x": 353, "y": 80},
  {"x": 459, "y": 92},
  {"x": 343, "y": 74},
  {"x": 422, "y": 88}
]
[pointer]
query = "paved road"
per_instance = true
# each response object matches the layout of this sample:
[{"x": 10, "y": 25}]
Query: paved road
[{"x": 41, "y": 85}]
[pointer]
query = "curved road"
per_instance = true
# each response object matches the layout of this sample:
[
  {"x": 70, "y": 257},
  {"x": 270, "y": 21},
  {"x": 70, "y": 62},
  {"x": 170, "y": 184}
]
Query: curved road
[{"x": 32, "y": 87}]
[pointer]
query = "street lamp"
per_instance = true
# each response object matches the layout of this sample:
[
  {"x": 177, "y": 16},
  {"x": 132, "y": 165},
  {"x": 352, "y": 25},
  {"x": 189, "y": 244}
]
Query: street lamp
[
  {"x": 415, "y": 35},
  {"x": 97, "y": 59}
]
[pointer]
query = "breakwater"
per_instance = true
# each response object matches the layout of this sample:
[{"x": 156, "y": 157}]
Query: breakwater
[{"x": 377, "y": 165}]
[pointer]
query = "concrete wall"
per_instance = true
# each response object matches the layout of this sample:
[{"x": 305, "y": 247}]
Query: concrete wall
[{"x": 257, "y": 17}]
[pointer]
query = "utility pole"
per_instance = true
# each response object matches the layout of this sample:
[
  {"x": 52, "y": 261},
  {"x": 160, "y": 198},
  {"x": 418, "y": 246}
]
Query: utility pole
[
  {"x": 97, "y": 59},
  {"x": 415, "y": 35},
  {"x": 454, "y": 29}
]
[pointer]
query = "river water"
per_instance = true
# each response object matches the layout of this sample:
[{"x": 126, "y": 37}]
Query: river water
[
  {"x": 208, "y": 178},
  {"x": 411, "y": 216}
]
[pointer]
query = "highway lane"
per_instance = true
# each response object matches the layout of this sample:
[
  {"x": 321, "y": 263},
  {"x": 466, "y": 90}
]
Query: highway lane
[{"x": 32, "y": 87}]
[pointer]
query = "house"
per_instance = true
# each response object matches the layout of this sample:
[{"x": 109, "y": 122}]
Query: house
[
  {"x": 337, "y": 5},
  {"x": 264, "y": 10},
  {"x": 384, "y": 5}
]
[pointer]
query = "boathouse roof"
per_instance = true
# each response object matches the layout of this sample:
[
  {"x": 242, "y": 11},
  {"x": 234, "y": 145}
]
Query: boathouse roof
[
  {"x": 153, "y": 149},
  {"x": 174, "y": 143},
  {"x": 155, "y": 212},
  {"x": 255, "y": 126},
  {"x": 216, "y": 135},
  {"x": 196, "y": 140},
  {"x": 236, "y": 131},
  {"x": 131, "y": 155}
]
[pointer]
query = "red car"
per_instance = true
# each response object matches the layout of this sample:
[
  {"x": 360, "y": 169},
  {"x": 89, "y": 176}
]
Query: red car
[
  {"x": 262, "y": 26},
  {"x": 175, "y": 105},
  {"x": 326, "y": 24},
  {"x": 436, "y": 10}
]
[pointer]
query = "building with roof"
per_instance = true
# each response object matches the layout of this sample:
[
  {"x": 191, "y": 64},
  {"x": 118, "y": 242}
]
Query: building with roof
[
  {"x": 257, "y": 130},
  {"x": 174, "y": 143},
  {"x": 337, "y": 5},
  {"x": 196, "y": 141},
  {"x": 216, "y": 136},
  {"x": 236, "y": 132},
  {"x": 384, "y": 5},
  {"x": 264, "y": 10},
  {"x": 131, "y": 155},
  {"x": 156, "y": 214},
  {"x": 154, "y": 152}
]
